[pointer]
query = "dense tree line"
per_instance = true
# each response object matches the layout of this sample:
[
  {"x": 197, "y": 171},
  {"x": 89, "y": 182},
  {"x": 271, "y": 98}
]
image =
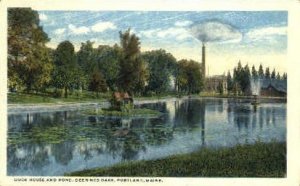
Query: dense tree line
[
  {"x": 240, "y": 81},
  {"x": 122, "y": 67}
]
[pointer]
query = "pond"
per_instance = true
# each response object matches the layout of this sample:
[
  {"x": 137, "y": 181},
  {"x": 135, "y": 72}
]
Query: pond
[{"x": 58, "y": 142}]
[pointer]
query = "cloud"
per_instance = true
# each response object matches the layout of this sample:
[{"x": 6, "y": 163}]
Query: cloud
[
  {"x": 43, "y": 17},
  {"x": 59, "y": 31},
  {"x": 102, "y": 26},
  {"x": 172, "y": 32},
  {"x": 216, "y": 31},
  {"x": 183, "y": 23},
  {"x": 266, "y": 33},
  {"x": 78, "y": 30}
]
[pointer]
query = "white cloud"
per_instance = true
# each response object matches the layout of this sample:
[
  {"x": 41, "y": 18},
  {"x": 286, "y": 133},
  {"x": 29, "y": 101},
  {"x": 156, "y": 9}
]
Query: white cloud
[
  {"x": 173, "y": 32},
  {"x": 59, "y": 31},
  {"x": 43, "y": 17},
  {"x": 102, "y": 26},
  {"x": 183, "y": 23},
  {"x": 78, "y": 30},
  {"x": 266, "y": 32}
]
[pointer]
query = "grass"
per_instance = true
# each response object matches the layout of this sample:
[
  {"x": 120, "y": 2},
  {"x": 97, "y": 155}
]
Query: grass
[
  {"x": 137, "y": 112},
  {"x": 256, "y": 160},
  {"x": 27, "y": 98}
]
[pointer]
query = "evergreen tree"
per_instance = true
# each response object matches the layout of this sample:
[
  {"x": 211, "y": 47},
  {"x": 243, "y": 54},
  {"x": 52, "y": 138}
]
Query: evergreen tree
[
  {"x": 267, "y": 73},
  {"x": 273, "y": 75},
  {"x": 229, "y": 82},
  {"x": 261, "y": 72},
  {"x": 254, "y": 72},
  {"x": 278, "y": 76}
]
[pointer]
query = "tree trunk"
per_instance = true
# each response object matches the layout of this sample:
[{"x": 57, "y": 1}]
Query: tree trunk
[{"x": 66, "y": 92}]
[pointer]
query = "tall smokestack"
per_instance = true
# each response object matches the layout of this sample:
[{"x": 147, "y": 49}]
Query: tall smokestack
[{"x": 203, "y": 61}]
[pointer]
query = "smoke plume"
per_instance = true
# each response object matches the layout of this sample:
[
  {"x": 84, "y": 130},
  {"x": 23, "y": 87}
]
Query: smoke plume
[{"x": 215, "y": 31}]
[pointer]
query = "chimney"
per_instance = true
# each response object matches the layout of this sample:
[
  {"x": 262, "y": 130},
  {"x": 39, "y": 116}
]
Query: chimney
[{"x": 203, "y": 61}]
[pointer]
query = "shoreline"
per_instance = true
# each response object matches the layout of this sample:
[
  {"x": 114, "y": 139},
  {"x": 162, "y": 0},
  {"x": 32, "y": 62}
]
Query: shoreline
[{"x": 13, "y": 108}]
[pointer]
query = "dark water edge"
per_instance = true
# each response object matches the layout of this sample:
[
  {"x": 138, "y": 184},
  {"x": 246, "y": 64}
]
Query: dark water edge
[
  {"x": 55, "y": 143},
  {"x": 256, "y": 160}
]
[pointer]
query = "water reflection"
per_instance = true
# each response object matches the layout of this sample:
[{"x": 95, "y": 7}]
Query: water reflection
[{"x": 76, "y": 141}]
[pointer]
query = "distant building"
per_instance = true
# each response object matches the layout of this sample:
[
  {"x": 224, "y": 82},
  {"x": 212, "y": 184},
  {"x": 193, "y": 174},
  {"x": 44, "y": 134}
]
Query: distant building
[
  {"x": 273, "y": 87},
  {"x": 216, "y": 84}
]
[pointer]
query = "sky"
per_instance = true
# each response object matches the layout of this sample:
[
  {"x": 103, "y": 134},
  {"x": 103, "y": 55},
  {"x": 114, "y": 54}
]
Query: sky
[{"x": 254, "y": 38}]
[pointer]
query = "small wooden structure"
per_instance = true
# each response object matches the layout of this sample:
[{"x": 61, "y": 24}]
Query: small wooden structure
[{"x": 121, "y": 101}]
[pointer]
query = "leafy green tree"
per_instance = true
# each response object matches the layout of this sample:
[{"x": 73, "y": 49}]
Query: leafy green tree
[
  {"x": 261, "y": 72},
  {"x": 133, "y": 74},
  {"x": 29, "y": 62},
  {"x": 108, "y": 61},
  {"x": 66, "y": 74},
  {"x": 284, "y": 76},
  {"x": 162, "y": 66},
  {"x": 97, "y": 83},
  {"x": 267, "y": 73},
  {"x": 189, "y": 77}
]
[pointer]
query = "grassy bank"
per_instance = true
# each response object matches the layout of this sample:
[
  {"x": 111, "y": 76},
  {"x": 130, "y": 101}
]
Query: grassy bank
[
  {"x": 257, "y": 160},
  {"x": 27, "y": 98}
]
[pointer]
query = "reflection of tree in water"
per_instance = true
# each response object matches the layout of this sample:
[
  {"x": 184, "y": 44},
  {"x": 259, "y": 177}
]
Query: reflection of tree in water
[
  {"x": 63, "y": 152},
  {"x": 27, "y": 156},
  {"x": 189, "y": 114}
]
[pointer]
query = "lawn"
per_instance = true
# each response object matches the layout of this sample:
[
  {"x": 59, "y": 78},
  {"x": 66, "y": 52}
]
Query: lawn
[{"x": 251, "y": 160}]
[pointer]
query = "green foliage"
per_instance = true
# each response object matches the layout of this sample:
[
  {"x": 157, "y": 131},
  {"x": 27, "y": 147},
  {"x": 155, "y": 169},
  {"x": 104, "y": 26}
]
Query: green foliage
[
  {"x": 254, "y": 73},
  {"x": 256, "y": 160},
  {"x": 97, "y": 83},
  {"x": 133, "y": 73},
  {"x": 267, "y": 73},
  {"x": 273, "y": 75},
  {"x": 66, "y": 74},
  {"x": 162, "y": 66},
  {"x": 189, "y": 78},
  {"x": 230, "y": 82},
  {"x": 261, "y": 71},
  {"x": 29, "y": 62}
]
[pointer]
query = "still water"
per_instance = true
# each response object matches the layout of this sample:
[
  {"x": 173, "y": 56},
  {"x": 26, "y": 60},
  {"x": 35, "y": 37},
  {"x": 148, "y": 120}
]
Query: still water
[{"x": 54, "y": 143}]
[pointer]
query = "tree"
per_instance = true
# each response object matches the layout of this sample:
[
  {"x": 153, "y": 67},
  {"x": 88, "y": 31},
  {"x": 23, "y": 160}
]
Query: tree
[
  {"x": 66, "y": 74},
  {"x": 261, "y": 72},
  {"x": 133, "y": 74},
  {"x": 284, "y": 76},
  {"x": 254, "y": 72},
  {"x": 189, "y": 77},
  {"x": 273, "y": 75},
  {"x": 97, "y": 83},
  {"x": 29, "y": 62},
  {"x": 267, "y": 73},
  {"x": 230, "y": 82},
  {"x": 162, "y": 66},
  {"x": 108, "y": 62},
  {"x": 278, "y": 76}
]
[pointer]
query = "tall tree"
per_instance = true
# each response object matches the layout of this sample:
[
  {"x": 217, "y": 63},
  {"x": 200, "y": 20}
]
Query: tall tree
[
  {"x": 254, "y": 72},
  {"x": 29, "y": 62},
  {"x": 161, "y": 67},
  {"x": 267, "y": 73},
  {"x": 278, "y": 77},
  {"x": 261, "y": 72},
  {"x": 230, "y": 82},
  {"x": 273, "y": 75},
  {"x": 66, "y": 73},
  {"x": 108, "y": 61},
  {"x": 133, "y": 75}
]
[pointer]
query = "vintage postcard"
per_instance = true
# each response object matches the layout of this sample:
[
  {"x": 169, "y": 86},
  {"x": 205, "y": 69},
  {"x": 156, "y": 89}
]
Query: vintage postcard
[{"x": 131, "y": 92}]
